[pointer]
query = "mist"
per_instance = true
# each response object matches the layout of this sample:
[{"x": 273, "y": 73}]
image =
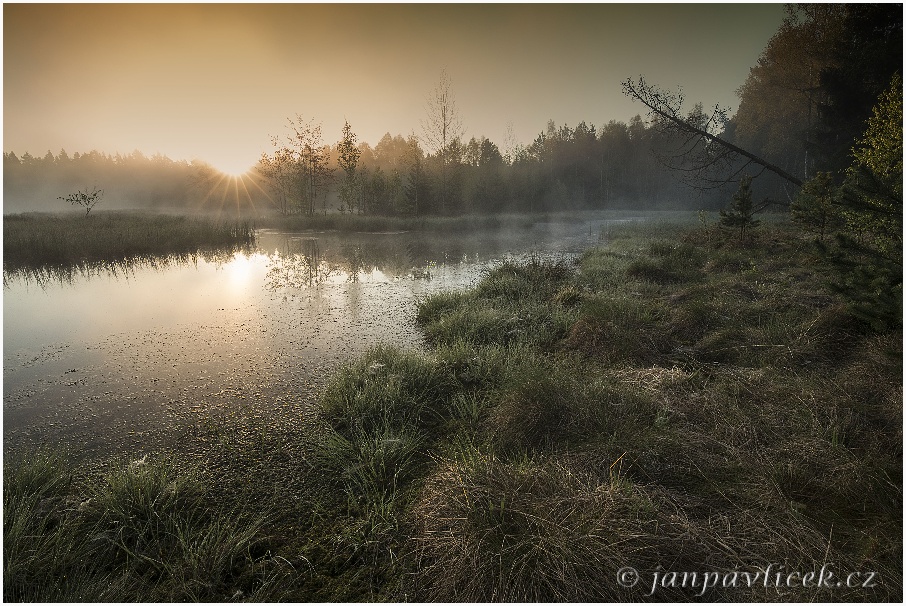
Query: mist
[{"x": 611, "y": 166}]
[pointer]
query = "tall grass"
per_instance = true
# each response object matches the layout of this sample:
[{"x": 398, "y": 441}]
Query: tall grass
[
  {"x": 143, "y": 531},
  {"x": 676, "y": 403},
  {"x": 32, "y": 242},
  {"x": 716, "y": 378}
]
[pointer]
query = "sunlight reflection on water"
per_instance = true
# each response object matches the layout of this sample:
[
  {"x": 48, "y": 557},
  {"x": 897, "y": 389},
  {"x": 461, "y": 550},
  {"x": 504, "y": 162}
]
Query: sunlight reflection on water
[{"x": 165, "y": 343}]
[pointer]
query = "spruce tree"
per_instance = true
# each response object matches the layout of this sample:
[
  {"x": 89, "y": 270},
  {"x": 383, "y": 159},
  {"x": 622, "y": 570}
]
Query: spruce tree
[
  {"x": 869, "y": 250},
  {"x": 741, "y": 214},
  {"x": 814, "y": 208}
]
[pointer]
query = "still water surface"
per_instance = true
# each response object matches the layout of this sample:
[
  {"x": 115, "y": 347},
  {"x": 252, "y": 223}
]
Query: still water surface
[{"x": 124, "y": 362}]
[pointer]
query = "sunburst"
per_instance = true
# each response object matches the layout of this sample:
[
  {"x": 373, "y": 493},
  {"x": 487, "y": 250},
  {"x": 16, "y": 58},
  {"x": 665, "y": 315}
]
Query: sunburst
[{"x": 232, "y": 189}]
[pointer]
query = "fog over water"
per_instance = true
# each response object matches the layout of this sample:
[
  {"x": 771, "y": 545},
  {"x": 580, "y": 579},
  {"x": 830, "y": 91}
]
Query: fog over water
[{"x": 130, "y": 361}]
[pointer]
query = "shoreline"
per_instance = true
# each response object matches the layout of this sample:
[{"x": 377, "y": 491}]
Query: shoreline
[{"x": 602, "y": 415}]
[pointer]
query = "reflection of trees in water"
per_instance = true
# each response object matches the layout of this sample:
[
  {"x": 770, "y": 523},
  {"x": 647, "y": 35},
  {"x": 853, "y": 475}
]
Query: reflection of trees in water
[
  {"x": 354, "y": 258},
  {"x": 393, "y": 257},
  {"x": 300, "y": 262},
  {"x": 304, "y": 260},
  {"x": 301, "y": 265},
  {"x": 68, "y": 274}
]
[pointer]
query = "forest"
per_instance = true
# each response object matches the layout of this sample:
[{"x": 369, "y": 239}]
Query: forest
[{"x": 801, "y": 108}]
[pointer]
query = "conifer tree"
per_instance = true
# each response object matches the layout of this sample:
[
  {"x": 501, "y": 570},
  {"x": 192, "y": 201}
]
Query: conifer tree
[
  {"x": 348, "y": 158},
  {"x": 814, "y": 207},
  {"x": 869, "y": 250},
  {"x": 741, "y": 214}
]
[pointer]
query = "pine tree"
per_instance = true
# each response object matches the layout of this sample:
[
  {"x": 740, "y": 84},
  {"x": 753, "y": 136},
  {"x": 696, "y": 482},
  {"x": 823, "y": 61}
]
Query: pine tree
[
  {"x": 869, "y": 250},
  {"x": 348, "y": 158},
  {"x": 814, "y": 207},
  {"x": 741, "y": 214}
]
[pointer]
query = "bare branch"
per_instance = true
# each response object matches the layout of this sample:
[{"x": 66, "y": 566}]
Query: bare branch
[{"x": 700, "y": 143}]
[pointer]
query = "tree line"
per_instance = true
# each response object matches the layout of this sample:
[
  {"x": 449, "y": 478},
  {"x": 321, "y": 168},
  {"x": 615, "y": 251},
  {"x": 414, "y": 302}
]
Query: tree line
[
  {"x": 564, "y": 167},
  {"x": 801, "y": 110}
]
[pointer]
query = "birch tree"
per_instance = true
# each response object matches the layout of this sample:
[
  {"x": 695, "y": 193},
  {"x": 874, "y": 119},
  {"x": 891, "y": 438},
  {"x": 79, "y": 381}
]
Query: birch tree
[{"x": 443, "y": 131}]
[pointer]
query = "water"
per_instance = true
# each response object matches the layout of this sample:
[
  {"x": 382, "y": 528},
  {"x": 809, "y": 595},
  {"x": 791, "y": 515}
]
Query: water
[{"x": 126, "y": 362}]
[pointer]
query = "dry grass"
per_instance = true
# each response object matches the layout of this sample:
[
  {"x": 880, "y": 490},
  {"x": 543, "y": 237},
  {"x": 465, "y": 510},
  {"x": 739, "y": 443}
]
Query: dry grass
[{"x": 685, "y": 405}]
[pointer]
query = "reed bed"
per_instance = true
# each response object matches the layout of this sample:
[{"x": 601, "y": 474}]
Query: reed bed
[{"x": 61, "y": 242}]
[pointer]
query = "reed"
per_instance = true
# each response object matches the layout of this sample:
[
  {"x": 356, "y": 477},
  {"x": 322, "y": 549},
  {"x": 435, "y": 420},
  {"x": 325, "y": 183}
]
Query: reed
[{"x": 35, "y": 242}]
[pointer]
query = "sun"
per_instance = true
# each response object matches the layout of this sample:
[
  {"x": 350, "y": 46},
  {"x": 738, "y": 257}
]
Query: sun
[
  {"x": 236, "y": 171},
  {"x": 232, "y": 166}
]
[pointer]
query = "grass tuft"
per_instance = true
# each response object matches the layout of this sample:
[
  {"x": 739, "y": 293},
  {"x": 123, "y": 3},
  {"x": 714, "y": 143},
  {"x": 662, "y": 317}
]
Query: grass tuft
[{"x": 677, "y": 402}]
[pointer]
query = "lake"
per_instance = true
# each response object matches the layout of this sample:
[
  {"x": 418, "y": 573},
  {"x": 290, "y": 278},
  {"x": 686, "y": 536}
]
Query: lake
[{"x": 130, "y": 360}]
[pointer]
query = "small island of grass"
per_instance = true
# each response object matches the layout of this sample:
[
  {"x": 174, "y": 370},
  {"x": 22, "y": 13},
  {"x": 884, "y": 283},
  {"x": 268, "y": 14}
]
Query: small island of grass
[{"x": 40, "y": 242}]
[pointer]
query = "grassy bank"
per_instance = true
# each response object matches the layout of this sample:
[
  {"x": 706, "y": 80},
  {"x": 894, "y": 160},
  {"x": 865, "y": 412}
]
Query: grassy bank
[
  {"x": 34, "y": 242},
  {"x": 678, "y": 401}
]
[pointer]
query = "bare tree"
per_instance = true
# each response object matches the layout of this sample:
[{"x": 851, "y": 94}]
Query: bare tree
[
  {"x": 702, "y": 158},
  {"x": 311, "y": 156},
  {"x": 86, "y": 199},
  {"x": 443, "y": 130}
]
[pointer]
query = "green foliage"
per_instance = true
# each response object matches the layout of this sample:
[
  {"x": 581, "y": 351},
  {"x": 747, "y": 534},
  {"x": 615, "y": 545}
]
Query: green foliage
[
  {"x": 873, "y": 191},
  {"x": 814, "y": 207},
  {"x": 741, "y": 214},
  {"x": 869, "y": 251}
]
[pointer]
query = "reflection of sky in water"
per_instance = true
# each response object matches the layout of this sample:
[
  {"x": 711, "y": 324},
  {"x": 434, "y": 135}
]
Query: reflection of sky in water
[
  {"x": 297, "y": 266},
  {"x": 108, "y": 349},
  {"x": 104, "y": 305}
]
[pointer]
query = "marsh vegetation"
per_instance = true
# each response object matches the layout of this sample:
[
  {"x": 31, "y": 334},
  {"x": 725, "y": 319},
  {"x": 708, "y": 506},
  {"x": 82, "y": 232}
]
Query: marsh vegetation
[
  {"x": 664, "y": 402},
  {"x": 721, "y": 396},
  {"x": 41, "y": 245}
]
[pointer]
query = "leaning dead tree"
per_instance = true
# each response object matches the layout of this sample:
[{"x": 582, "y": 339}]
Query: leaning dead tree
[{"x": 701, "y": 158}]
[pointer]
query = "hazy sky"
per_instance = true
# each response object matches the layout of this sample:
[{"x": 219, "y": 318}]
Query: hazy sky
[{"x": 214, "y": 81}]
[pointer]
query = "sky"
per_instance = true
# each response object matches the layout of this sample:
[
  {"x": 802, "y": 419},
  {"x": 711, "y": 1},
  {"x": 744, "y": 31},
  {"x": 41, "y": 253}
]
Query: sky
[{"x": 216, "y": 81}]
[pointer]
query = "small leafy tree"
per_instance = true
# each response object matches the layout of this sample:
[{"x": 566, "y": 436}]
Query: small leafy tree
[
  {"x": 86, "y": 199},
  {"x": 741, "y": 214},
  {"x": 280, "y": 173},
  {"x": 348, "y": 158}
]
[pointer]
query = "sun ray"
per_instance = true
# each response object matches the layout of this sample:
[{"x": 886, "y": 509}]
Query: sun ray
[
  {"x": 248, "y": 195},
  {"x": 213, "y": 189},
  {"x": 233, "y": 191},
  {"x": 263, "y": 191}
]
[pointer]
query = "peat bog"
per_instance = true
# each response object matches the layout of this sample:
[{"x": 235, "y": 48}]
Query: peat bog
[{"x": 675, "y": 398}]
